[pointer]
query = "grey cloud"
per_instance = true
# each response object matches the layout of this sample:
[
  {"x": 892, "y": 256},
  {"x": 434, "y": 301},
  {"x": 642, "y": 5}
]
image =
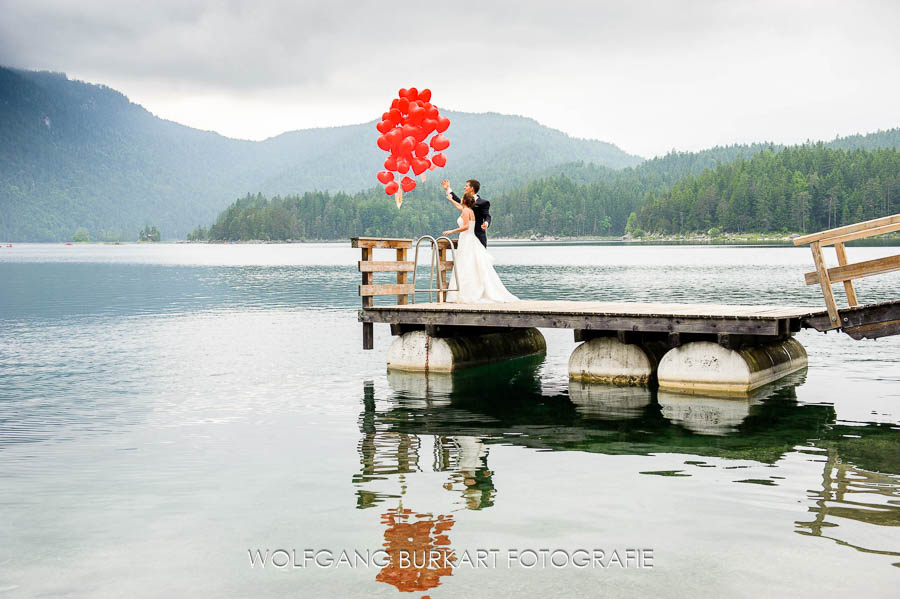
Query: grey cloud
[{"x": 709, "y": 63}]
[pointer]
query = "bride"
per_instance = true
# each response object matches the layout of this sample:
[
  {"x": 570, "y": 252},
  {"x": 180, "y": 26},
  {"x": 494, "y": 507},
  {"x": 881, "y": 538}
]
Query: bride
[{"x": 475, "y": 275}]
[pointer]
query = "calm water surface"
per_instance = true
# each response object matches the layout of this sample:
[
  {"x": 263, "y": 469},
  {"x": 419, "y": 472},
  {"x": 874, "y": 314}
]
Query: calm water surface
[{"x": 164, "y": 410}]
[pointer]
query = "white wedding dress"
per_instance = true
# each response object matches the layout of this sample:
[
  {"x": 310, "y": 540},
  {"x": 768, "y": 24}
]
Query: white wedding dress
[{"x": 478, "y": 281}]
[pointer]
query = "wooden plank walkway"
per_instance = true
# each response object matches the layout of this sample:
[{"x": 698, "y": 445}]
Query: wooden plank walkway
[{"x": 602, "y": 316}]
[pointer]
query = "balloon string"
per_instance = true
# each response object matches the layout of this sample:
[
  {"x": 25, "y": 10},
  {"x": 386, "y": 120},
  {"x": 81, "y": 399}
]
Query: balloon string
[
  {"x": 399, "y": 198},
  {"x": 423, "y": 177}
]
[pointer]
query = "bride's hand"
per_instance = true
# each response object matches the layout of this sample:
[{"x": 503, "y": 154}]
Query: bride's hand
[{"x": 447, "y": 233}]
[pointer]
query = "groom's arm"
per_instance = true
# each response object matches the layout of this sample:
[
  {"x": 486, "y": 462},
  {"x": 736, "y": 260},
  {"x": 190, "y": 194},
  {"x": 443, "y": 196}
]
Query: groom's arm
[{"x": 487, "y": 213}]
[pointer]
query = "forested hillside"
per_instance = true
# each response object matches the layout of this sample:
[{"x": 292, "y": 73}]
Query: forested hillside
[
  {"x": 76, "y": 155},
  {"x": 799, "y": 189},
  {"x": 802, "y": 189}
]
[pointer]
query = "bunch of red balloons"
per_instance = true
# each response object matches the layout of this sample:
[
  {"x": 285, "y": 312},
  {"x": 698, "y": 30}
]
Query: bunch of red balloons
[{"x": 404, "y": 129}]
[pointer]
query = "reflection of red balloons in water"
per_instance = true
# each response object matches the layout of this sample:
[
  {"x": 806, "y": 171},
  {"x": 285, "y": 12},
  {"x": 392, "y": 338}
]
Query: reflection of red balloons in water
[
  {"x": 419, "y": 549},
  {"x": 407, "y": 184},
  {"x": 439, "y": 159}
]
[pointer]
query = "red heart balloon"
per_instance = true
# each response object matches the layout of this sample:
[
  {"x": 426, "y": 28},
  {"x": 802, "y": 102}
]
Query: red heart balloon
[
  {"x": 403, "y": 92},
  {"x": 439, "y": 159},
  {"x": 383, "y": 143},
  {"x": 412, "y": 93},
  {"x": 425, "y": 95},
  {"x": 385, "y": 177},
  {"x": 428, "y": 125},
  {"x": 420, "y": 165},
  {"x": 394, "y": 137},
  {"x": 403, "y": 105},
  {"x": 394, "y": 115},
  {"x": 421, "y": 149},
  {"x": 407, "y": 145},
  {"x": 391, "y": 188},
  {"x": 384, "y": 126},
  {"x": 439, "y": 142},
  {"x": 391, "y": 163},
  {"x": 408, "y": 130},
  {"x": 386, "y": 116},
  {"x": 402, "y": 165},
  {"x": 443, "y": 123},
  {"x": 407, "y": 184},
  {"x": 420, "y": 134},
  {"x": 433, "y": 112},
  {"x": 416, "y": 115}
]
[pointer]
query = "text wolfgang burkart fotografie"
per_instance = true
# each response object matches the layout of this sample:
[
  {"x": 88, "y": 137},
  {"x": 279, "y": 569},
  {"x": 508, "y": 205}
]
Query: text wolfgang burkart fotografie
[{"x": 616, "y": 558}]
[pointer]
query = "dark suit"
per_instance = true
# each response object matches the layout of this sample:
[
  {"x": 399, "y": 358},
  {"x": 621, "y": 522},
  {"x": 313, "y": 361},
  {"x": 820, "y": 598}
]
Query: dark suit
[{"x": 482, "y": 212}]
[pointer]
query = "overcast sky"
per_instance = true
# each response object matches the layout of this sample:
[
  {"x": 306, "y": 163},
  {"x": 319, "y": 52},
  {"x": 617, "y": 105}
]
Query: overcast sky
[{"x": 648, "y": 76}]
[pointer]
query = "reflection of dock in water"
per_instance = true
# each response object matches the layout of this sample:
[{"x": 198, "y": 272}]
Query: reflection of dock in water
[
  {"x": 448, "y": 423},
  {"x": 504, "y": 403},
  {"x": 850, "y": 493}
]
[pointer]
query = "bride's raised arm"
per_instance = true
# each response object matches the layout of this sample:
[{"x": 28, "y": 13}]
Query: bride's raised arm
[{"x": 458, "y": 205}]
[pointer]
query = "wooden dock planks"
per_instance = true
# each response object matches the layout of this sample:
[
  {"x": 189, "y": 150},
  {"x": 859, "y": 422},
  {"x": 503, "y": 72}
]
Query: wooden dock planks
[{"x": 612, "y": 316}]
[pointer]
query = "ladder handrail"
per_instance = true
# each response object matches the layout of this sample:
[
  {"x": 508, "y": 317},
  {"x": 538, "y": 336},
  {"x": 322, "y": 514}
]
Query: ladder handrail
[
  {"x": 455, "y": 273},
  {"x": 430, "y": 290},
  {"x": 435, "y": 266}
]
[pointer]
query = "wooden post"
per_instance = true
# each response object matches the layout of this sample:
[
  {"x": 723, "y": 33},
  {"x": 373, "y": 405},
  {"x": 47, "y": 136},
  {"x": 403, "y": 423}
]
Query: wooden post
[
  {"x": 367, "y": 276},
  {"x": 825, "y": 282},
  {"x": 402, "y": 276},
  {"x": 848, "y": 285}
]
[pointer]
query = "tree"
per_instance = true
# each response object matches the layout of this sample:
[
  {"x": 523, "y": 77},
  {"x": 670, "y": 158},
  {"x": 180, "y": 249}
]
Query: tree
[
  {"x": 149, "y": 233},
  {"x": 81, "y": 235}
]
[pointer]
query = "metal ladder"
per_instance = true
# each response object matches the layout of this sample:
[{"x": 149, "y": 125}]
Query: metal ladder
[{"x": 435, "y": 269}]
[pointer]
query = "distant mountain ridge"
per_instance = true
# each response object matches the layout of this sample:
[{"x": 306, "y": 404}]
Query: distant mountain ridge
[
  {"x": 75, "y": 154},
  {"x": 79, "y": 155}
]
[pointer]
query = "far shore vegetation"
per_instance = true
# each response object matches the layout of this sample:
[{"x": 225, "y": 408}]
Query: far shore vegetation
[{"x": 771, "y": 195}]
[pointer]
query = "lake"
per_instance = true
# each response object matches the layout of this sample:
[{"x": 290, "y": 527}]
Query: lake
[{"x": 201, "y": 420}]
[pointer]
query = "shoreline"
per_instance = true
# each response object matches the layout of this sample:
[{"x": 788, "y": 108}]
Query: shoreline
[{"x": 698, "y": 239}]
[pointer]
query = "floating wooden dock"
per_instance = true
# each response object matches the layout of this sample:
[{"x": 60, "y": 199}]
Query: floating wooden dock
[{"x": 687, "y": 341}]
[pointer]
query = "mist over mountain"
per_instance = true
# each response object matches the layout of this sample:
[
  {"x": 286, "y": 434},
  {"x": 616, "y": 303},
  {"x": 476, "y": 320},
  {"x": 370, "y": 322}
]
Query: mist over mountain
[{"x": 75, "y": 154}]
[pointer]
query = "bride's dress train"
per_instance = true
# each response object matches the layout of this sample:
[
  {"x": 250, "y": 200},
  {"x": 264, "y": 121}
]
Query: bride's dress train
[{"x": 478, "y": 281}]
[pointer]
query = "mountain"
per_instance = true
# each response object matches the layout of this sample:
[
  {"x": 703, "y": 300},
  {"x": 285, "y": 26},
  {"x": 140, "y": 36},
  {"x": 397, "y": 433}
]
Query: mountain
[{"x": 75, "y": 154}]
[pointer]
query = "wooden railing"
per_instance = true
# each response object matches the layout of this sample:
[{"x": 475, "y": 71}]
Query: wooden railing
[
  {"x": 401, "y": 265},
  {"x": 846, "y": 272}
]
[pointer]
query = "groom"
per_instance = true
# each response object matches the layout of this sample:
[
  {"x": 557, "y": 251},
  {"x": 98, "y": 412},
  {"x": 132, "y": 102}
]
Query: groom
[{"x": 482, "y": 208}]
